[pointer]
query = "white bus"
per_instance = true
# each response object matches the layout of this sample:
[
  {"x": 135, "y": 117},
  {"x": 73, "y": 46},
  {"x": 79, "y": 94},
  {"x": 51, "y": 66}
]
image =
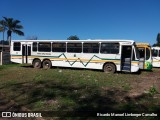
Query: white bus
[
  {"x": 106, "y": 55},
  {"x": 156, "y": 56},
  {"x": 145, "y": 61}
]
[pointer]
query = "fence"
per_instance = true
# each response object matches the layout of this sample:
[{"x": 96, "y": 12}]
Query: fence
[{"x": 4, "y": 58}]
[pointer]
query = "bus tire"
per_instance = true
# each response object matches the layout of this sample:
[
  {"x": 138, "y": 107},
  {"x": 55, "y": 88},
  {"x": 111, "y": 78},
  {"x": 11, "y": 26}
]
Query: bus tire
[
  {"x": 109, "y": 68},
  {"x": 37, "y": 63},
  {"x": 47, "y": 64}
]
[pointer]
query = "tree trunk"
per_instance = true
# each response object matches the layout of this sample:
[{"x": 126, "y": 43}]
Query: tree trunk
[{"x": 9, "y": 32}]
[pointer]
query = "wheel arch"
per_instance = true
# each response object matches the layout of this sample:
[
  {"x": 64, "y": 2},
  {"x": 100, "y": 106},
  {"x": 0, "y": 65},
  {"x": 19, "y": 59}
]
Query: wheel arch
[
  {"x": 37, "y": 63},
  {"x": 35, "y": 59},
  {"x": 46, "y": 59},
  {"x": 109, "y": 63}
]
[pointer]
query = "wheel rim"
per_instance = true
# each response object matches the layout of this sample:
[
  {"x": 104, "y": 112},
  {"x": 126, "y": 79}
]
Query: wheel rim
[
  {"x": 108, "y": 68},
  {"x": 37, "y": 64},
  {"x": 46, "y": 65}
]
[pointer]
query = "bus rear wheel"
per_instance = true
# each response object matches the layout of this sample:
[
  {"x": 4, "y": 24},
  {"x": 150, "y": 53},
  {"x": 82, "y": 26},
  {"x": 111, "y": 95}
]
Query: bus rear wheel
[
  {"x": 109, "y": 68},
  {"x": 47, "y": 64},
  {"x": 37, "y": 63}
]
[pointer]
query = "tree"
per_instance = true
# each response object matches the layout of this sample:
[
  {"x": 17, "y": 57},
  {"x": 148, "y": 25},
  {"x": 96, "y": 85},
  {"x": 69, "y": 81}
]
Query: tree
[
  {"x": 11, "y": 25},
  {"x": 4, "y": 42},
  {"x": 73, "y": 37},
  {"x": 32, "y": 38},
  {"x": 158, "y": 38},
  {"x": 1, "y": 28}
]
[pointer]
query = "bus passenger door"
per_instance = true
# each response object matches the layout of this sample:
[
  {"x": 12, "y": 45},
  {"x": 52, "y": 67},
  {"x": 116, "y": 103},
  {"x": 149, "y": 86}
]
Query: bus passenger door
[
  {"x": 26, "y": 51},
  {"x": 142, "y": 58},
  {"x": 126, "y": 58}
]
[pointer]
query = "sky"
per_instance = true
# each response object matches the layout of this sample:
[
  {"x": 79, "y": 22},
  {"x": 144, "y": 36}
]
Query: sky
[{"x": 137, "y": 20}]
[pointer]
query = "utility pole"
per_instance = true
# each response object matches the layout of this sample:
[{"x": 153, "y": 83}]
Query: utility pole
[{"x": 3, "y": 37}]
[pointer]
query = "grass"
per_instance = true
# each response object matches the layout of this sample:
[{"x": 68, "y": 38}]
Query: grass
[
  {"x": 63, "y": 89},
  {"x": 153, "y": 90}
]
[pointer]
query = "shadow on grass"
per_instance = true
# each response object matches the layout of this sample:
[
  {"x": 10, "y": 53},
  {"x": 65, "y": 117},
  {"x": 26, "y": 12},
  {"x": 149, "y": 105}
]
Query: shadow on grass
[
  {"x": 26, "y": 66},
  {"x": 87, "y": 100},
  {"x": 77, "y": 69},
  {"x": 65, "y": 68}
]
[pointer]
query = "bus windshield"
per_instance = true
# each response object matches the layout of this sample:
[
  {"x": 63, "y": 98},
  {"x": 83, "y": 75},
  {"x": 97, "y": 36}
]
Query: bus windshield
[
  {"x": 148, "y": 54},
  {"x": 137, "y": 53}
]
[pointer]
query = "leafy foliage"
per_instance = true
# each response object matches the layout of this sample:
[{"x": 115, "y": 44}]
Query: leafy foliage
[
  {"x": 32, "y": 38},
  {"x": 4, "y": 42},
  {"x": 11, "y": 25},
  {"x": 73, "y": 37},
  {"x": 158, "y": 40}
]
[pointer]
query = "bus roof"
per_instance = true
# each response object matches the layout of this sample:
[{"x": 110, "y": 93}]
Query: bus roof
[
  {"x": 96, "y": 40},
  {"x": 142, "y": 44},
  {"x": 158, "y": 48}
]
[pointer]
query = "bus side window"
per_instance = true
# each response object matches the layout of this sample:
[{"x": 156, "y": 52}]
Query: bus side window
[
  {"x": 16, "y": 46},
  {"x": 154, "y": 53},
  {"x": 58, "y": 47},
  {"x": 90, "y": 47},
  {"x": 109, "y": 48},
  {"x": 34, "y": 46},
  {"x": 74, "y": 47},
  {"x": 44, "y": 47},
  {"x": 158, "y": 53},
  {"x": 133, "y": 56}
]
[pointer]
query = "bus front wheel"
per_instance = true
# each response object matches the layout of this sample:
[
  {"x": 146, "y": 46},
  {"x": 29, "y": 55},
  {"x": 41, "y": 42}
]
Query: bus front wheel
[
  {"x": 109, "y": 68},
  {"x": 47, "y": 64},
  {"x": 37, "y": 63}
]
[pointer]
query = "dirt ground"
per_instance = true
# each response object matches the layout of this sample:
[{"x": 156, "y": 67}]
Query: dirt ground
[{"x": 152, "y": 79}]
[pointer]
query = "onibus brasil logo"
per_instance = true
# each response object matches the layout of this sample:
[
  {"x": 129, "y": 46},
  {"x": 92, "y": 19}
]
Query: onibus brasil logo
[{"x": 23, "y": 114}]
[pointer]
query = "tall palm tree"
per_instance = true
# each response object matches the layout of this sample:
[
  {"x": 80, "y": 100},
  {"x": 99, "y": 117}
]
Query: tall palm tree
[
  {"x": 11, "y": 25},
  {"x": 1, "y": 25},
  {"x": 2, "y": 29}
]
